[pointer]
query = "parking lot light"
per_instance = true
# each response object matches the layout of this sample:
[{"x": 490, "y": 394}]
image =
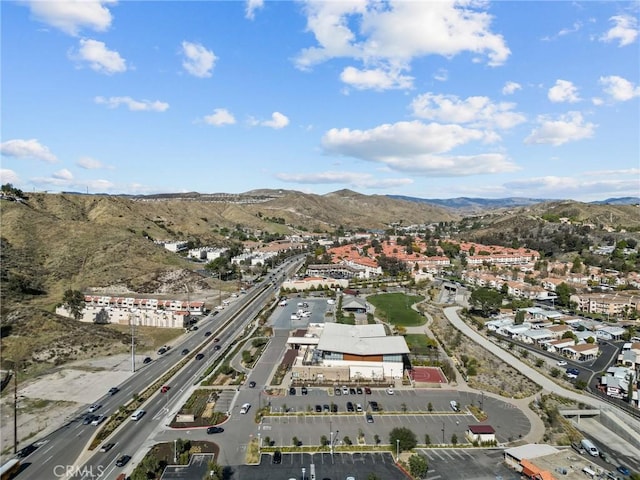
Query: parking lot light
[{"x": 397, "y": 449}]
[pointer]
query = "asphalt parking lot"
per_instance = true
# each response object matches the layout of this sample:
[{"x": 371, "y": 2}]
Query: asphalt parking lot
[
  {"x": 334, "y": 467},
  {"x": 449, "y": 464}
]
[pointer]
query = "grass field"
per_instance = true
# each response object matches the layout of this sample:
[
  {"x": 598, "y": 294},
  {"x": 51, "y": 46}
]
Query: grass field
[
  {"x": 416, "y": 341},
  {"x": 151, "y": 338},
  {"x": 395, "y": 308}
]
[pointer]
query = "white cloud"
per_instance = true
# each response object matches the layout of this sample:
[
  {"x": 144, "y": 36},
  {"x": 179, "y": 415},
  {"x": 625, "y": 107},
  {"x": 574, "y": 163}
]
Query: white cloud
[
  {"x": 219, "y": 117},
  {"x": 99, "y": 57},
  {"x": 568, "y": 128},
  {"x": 63, "y": 174},
  {"x": 563, "y": 91},
  {"x": 252, "y": 6},
  {"x": 133, "y": 105},
  {"x": 510, "y": 88},
  {"x": 32, "y": 148},
  {"x": 354, "y": 179},
  {"x": 89, "y": 163},
  {"x": 477, "y": 111},
  {"x": 71, "y": 16},
  {"x": 390, "y": 35},
  {"x": 618, "y": 88},
  {"x": 198, "y": 61},
  {"x": 278, "y": 120},
  {"x": 416, "y": 147},
  {"x": 625, "y": 30},
  {"x": 550, "y": 186},
  {"x": 442, "y": 75},
  {"x": 8, "y": 176},
  {"x": 375, "y": 79}
]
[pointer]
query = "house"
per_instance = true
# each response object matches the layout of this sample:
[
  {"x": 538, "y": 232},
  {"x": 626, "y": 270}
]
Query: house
[
  {"x": 481, "y": 433},
  {"x": 581, "y": 352},
  {"x": 556, "y": 346}
]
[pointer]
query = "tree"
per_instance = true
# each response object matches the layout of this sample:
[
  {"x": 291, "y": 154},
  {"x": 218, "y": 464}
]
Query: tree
[
  {"x": 454, "y": 439},
  {"x": 418, "y": 466},
  {"x": 427, "y": 439},
  {"x": 408, "y": 440},
  {"x": 564, "y": 292},
  {"x": 216, "y": 472},
  {"x": 519, "y": 320},
  {"x": 73, "y": 301},
  {"x": 486, "y": 299}
]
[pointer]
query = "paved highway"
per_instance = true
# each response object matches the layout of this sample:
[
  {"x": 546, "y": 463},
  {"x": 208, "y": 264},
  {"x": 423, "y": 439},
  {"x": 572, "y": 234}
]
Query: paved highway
[{"x": 59, "y": 454}]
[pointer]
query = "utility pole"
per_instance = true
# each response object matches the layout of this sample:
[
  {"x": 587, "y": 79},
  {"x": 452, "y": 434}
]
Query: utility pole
[
  {"x": 15, "y": 408},
  {"x": 132, "y": 324}
]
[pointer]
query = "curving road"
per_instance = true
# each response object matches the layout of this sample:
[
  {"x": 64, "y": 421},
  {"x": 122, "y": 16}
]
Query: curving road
[{"x": 452, "y": 315}]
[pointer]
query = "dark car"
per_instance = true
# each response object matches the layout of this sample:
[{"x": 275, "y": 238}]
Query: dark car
[
  {"x": 162, "y": 350},
  {"x": 374, "y": 406},
  {"x": 113, "y": 390},
  {"x": 369, "y": 418},
  {"x": 184, "y": 351},
  {"x": 277, "y": 456},
  {"x": 26, "y": 451},
  {"x": 326, "y": 408},
  {"x": 252, "y": 384},
  {"x": 337, "y": 391},
  {"x": 334, "y": 408},
  {"x": 200, "y": 356},
  {"x": 367, "y": 390},
  {"x": 165, "y": 389},
  {"x": 88, "y": 419},
  {"x": 194, "y": 328},
  {"x": 206, "y": 334},
  {"x": 146, "y": 360},
  {"x": 304, "y": 390},
  {"x": 216, "y": 347},
  {"x": 349, "y": 407},
  {"x": 623, "y": 470},
  {"x": 107, "y": 446},
  {"x": 123, "y": 460},
  {"x": 211, "y": 430},
  {"x": 292, "y": 390},
  {"x": 359, "y": 390},
  {"x": 318, "y": 408},
  {"x": 216, "y": 340},
  {"x": 352, "y": 391}
]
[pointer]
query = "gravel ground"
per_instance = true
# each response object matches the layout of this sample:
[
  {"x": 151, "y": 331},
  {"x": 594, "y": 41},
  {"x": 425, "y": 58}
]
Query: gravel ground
[{"x": 58, "y": 395}]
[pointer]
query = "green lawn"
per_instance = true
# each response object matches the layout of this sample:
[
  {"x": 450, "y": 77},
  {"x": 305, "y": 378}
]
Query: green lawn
[{"x": 395, "y": 308}]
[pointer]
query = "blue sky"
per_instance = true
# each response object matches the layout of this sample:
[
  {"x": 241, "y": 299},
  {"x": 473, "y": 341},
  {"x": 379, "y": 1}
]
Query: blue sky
[{"x": 428, "y": 99}]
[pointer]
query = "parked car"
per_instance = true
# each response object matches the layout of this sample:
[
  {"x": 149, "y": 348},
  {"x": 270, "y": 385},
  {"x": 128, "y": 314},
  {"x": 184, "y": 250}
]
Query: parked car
[
  {"x": 454, "y": 406},
  {"x": 94, "y": 407},
  {"x": 359, "y": 390},
  {"x": 374, "y": 406},
  {"x": 349, "y": 407},
  {"x": 318, "y": 408},
  {"x": 123, "y": 460},
  {"x": 334, "y": 408},
  {"x": 146, "y": 360},
  {"x": 369, "y": 418},
  {"x": 277, "y": 456},
  {"x": 367, "y": 390},
  {"x": 211, "y": 430},
  {"x": 304, "y": 390},
  {"x": 326, "y": 408},
  {"x": 292, "y": 390},
  {"x": 352, "y": 391},
  {"x": 390, "y": 391},
  {"x": 337, "y": 391},
  {"x": 107, "y": 446},
  {"x": 345, "y": 390}
]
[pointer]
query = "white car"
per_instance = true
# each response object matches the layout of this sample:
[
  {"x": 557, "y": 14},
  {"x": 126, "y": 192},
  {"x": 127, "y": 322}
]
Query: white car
[
  {"x": 390, "y": 391},
  {"x": 94, "y": 407},
  {"x": 561, "y": 363},
  {"x": 98, "y": 420},
  {"x": 245, "y": 408}
]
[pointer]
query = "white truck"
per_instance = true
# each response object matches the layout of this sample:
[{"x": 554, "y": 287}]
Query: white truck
[{"x": 589, "y": 447}]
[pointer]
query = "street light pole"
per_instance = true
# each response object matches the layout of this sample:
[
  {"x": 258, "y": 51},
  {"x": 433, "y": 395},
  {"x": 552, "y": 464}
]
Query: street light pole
[
  {"x": 397, "y": 449},
  {"x": 443, "y": 433},
  {"x": 15, "y": 409}
]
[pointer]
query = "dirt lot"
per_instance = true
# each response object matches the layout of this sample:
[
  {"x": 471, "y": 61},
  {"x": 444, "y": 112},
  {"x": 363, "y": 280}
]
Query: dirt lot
[{"x": 47, "y": 402}]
